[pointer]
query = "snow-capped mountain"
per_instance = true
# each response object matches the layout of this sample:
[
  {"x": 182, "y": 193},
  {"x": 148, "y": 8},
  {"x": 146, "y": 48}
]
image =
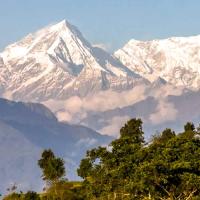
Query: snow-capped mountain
[
  {"x": 176, "y": 60},
  {"x": 58, "y": 67},
  {"x": 57, "y": 62}
]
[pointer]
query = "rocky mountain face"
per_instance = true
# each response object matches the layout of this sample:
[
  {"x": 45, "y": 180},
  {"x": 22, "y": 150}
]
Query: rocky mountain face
[
  {"x": 176, "y": 60},
  {"x": 26, "y": 129},
  {"x": 57, "y": 62}
]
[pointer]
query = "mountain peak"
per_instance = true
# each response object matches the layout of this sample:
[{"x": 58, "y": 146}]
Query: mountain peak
[
  {"x": 43, "y": 41},
  {"x": 58, "y": 62},
  {"x": 64, "y": 24}
]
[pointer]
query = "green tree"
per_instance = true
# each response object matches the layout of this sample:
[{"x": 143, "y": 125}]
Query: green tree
[
  {"x": 189, "y": 126},
  {"x": 52, "y": 167},
  {"x": 31, "y": 195},
  {"x": 108, "y": 172}
]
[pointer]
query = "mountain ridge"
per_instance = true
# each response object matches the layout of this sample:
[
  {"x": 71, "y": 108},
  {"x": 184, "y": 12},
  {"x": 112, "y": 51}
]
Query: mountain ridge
[
  {"x": 26, "y": 130},
  {"x": 175, "y": 59},
  {"x": 58, "y": 62}
]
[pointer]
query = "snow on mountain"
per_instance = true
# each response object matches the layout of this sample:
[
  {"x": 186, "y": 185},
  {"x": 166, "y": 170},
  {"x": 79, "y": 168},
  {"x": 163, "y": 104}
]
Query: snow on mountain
[
  {"x": 57, "y": 62},
  {"x": 3, "y": 76},
  {"x": 176, "y": 60}
]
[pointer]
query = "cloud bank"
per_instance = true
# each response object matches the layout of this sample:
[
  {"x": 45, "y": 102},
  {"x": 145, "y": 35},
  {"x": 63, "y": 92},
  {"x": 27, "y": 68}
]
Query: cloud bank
[{"x": 75, "y": 109}]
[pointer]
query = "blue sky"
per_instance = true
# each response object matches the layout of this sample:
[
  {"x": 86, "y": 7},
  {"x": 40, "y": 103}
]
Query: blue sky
[{"x": 111, "y": 22}]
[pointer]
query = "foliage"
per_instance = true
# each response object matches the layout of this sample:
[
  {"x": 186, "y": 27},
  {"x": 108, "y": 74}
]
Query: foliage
[
  {"x": 64, "y": 190},
  {"x": 168, "y": 167},
  {"x": 189, "y": 126},
  {"x": 31, "y": 195},
  {"x": 52, "y": 167},
  {"x": 13, "y": 196}
]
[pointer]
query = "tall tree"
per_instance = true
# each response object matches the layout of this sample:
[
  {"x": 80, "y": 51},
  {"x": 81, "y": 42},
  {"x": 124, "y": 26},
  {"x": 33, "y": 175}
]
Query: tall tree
[
  {"x": 189, "y": 126},
  {"x": 106, "y": 171},
  {"x": 52, "y": 167}
]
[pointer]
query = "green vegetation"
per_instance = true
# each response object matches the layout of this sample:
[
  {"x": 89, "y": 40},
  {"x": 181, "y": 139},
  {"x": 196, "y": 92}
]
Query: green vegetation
[
  {"x": 30, "y": 195},
  {"x": 166, "y": 168},
  {"x": 52, "y": 167}
]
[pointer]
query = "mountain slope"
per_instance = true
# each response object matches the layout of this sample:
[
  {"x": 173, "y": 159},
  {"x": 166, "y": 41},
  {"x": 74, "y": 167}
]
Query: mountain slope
[
  {"x": 176, "y": 60},
  {"x": 27, "y": 129},
  {"x": 57, "y": 62}
]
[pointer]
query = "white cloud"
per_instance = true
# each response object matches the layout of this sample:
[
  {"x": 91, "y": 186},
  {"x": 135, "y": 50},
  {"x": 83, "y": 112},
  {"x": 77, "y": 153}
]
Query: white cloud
[
  {"x": 167, "y": 90},
  {"x": 73, "y": 105},
  {"x": 103, "y": 46},
  {"x": 114, "y": 126},
  {"x": 110, "y": 99},
  {"x": 165, "y": 111},
  {"x": 64, "y": 116},
  {"x": 75, "y": 108}
]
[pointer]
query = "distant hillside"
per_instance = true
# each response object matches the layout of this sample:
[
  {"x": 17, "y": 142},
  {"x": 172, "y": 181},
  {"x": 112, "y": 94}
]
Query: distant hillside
[{"x": 25, "y": 130}]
